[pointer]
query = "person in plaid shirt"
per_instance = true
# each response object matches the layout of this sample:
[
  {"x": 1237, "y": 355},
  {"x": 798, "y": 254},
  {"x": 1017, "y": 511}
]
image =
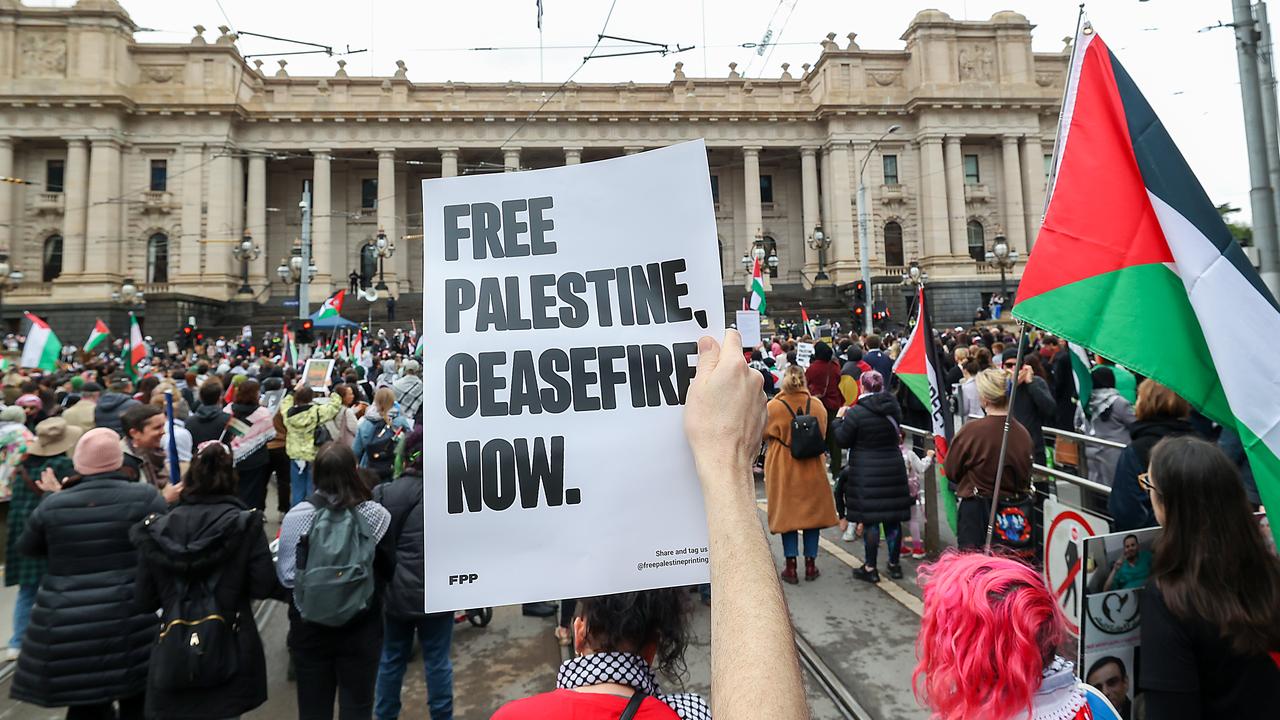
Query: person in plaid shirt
[{"x": 46, "y": 460}]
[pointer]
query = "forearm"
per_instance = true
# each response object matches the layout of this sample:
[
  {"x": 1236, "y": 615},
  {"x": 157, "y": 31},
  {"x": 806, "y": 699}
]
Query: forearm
[{"x": 755, "y": 672}]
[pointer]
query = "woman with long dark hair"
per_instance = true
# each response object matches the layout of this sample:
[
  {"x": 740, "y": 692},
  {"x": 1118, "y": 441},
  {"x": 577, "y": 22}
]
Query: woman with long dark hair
[
  {"x": 621, "y": 640},
  {"x": 1211, "y": 612},
  {"x": 335, "y": 641}
]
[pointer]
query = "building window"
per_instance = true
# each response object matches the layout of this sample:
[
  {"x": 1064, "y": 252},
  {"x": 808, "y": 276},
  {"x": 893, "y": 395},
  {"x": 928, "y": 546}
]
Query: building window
[
  {"x": 368, "y": 194},
  {"x": 158, "y": 258},
  {"x": 977, "y": 241},
  {"x": 159, "y": 175},
  {"x": 1048, "y": 166},
  {"x": 890, "y": 169},
  {"x": 52, "y": 258},
  {"x": 971, "y": 176},
  {"x": 53, "y": 170},
  {"x": 715, "y": 189},
  {"x": 766, "y": 188},
  {"x": 893, "y": 255}
]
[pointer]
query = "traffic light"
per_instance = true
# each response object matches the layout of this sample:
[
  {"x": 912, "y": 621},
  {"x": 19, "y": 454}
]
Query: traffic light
[
  {"x": 303, "y": 330},
  {"x": 185, "y": 336},
  {"x": 859, "y": 311},
  {"x": 859, "y": 292}
]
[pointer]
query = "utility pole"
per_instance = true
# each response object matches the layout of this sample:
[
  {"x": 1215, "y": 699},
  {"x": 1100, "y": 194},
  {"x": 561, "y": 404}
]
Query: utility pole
[
  {"x": 1271, "y": 124},
  {"x": 1261, "y": 194},
  {"x": 304, "y": 281}
]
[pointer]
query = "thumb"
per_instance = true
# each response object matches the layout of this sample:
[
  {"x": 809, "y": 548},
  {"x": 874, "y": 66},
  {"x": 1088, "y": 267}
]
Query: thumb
[{"x": 708, "y": 355}]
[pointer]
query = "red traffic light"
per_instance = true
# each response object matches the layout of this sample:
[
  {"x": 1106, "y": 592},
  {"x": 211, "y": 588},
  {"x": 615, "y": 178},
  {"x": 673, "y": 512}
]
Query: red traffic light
[
  {"x": 306, "y": 324},
  {"x": 858, "y": 310}
]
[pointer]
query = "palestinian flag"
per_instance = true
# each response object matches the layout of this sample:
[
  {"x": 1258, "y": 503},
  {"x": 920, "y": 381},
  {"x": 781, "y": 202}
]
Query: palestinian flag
[
  {"x": 135, "y": 350},
  {"x": 919, "y": 368},
  {"x": 757, "y": 289},
  {"x": 97, "y": 336},
  {"x": 357, "y": 347},
  {"x": 331, "y": 307},
  {"x": 1080, "y": 373},
  {"x": 1134, "y": 263},
  {"x": 419, "y": 347},
  {"x": 288, "y": 350},
  {"x": 42, "y": 348}
]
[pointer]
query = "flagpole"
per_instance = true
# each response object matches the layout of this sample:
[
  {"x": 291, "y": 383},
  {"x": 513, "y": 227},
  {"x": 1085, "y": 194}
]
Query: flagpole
[
  {"x": 1004, "y": 437},
  {"x": 1062, "y": 109}
]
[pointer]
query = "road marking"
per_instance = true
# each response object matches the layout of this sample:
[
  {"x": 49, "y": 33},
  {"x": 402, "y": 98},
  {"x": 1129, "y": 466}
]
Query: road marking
[{"x": 886, "y": 585}]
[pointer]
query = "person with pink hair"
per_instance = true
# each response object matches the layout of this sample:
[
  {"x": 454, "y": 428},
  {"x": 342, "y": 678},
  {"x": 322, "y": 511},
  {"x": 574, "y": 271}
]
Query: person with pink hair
[{"x": 988, "y": 646}]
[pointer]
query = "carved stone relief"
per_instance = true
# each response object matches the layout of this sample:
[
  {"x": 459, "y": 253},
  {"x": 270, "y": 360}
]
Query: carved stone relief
[
  {"x": 44, "y": 54},
  {"x": 977, "y": 62}
]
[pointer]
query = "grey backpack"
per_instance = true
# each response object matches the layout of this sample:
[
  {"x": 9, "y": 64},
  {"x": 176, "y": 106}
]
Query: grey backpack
[{"x": 334, "y": 580}]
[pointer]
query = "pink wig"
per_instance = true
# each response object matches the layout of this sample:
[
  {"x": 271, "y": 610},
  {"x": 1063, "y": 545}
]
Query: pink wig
[
  {"x": 871, "y": 381},
  {"x": 990, "y": 627}
]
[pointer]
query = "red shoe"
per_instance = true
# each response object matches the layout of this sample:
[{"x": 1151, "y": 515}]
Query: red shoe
[
  {"x": 788, "y": 574},
  {"x": 810, "y": 569}
]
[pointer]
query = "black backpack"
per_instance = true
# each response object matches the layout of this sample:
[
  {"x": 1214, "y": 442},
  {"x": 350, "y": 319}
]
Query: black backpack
[
  {"x": 806, "y": 435},
  {"x": 197, "y": 647},
  {"x": 381, "y": 449}
]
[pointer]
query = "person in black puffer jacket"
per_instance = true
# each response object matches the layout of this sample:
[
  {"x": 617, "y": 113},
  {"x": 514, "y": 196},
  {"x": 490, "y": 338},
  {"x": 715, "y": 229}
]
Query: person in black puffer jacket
[
  {"x": 209, "y": 530},
  {"x": 872, "y": 488},
  {"x": 404, "y": 597},
  {"x": 208, "y": 422},
  {"x": 1161, "y": 413},
  {"x": 88, "y": 645},
  {"x": 113, "y": 404}
]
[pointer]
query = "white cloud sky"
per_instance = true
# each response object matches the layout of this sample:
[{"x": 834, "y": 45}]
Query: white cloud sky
[{"x": 1189, "y": 77}]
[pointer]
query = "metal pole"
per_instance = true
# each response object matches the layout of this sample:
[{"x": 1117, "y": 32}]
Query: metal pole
[
  {"x": 864, "y": 251},
  {"x": 1261, "y": 200},
  {"x": 1004, "y": 438},
  {"x": 304, "y": 279},
  {"x": 1271, "y": 122}
]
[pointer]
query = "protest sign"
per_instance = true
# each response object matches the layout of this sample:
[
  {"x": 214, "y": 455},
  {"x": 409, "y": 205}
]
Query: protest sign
[
  {"x": 564, "y": 311},
  {"x": 317, "y": 374},
  {"x": 804, "y": 353},
  {"x": 748, "y": 322}
]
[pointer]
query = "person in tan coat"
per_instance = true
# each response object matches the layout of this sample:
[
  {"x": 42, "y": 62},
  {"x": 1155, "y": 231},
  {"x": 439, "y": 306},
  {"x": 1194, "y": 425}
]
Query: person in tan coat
[{"x": 799, "y": 494}]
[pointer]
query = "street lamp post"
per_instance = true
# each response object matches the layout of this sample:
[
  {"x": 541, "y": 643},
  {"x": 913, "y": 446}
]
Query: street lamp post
[
  {"x": 245, "y": 251},
  {"x": 290, "y": 271},
  {"x": 913, "y": 279},
  {"x": 864, "y": 237},
  {"x": 9, "y": 279},
  {"x": 819, "y": 241},
  {"x": 128, "y": 294},
  {"x": 1002, "y": 257},
  {"x": 758, "y": 253},
  {"x": 386, "y": 248}
]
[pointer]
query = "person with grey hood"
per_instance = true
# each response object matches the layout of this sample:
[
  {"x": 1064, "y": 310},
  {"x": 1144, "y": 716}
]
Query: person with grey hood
[
  {"x": 1108, "y": 418},
  {"x": 113, "y": 404},
  {"x": 408, "y": 389}
]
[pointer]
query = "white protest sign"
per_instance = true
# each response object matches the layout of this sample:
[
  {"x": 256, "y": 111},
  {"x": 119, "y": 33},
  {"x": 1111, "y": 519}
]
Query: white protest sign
[
  {"x": 748, "y": 322},
  {"x": 564, "y": 307},
  {"x": 804, "y": 353}
]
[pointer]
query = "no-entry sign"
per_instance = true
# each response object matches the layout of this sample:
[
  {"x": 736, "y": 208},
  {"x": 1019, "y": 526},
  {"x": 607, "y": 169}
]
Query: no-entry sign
[{"x": 1064, "y": 555}]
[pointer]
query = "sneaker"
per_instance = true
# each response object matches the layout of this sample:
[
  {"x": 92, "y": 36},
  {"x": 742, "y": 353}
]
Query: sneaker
[
  {"x": 11, "y": 654},
  {"x": 871, "y": 576},
  {"x": 917, "y": 553},
  {"x": 848, "y": 534},
  {"x": 895, "y": 571}
]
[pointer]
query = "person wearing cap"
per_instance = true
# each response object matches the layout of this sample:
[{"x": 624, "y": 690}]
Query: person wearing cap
[
  {"x": 46, "y": 458},
  {"x": 87, "y": 645},
  {"x": 33, "y": 407},
  {"x": 81, "y": 414}
]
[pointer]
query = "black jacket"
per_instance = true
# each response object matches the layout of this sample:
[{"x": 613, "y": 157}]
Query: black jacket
[
  {"x": 109, "y": 409},
  {"x": 402, "y": 497},
  {"x": 1128, "y": 503},
  {"x": 87, "y": 642},
  {"x": 1033, "y": 406},
  {"x": 206, "y": 423},
  {"x": 872, "y": 488},
  {"x": 196, "y": 538}
]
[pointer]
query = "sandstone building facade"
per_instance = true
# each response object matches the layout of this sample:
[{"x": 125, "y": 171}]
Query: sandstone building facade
[{"x": 151, "y": 162}]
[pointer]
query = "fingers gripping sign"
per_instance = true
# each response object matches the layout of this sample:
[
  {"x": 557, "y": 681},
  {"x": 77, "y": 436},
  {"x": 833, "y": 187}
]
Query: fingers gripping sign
[{"x": 725, "y": 411}]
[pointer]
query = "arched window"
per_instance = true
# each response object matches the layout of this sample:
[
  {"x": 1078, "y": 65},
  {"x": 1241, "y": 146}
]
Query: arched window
[
  {"x": 770, "y": 250},
  {"x": 893, "y": 244},
  {"x": 977, "y": 241},
  {"x": 52, "y": 259},
  {"x": 158, "y": 258}
]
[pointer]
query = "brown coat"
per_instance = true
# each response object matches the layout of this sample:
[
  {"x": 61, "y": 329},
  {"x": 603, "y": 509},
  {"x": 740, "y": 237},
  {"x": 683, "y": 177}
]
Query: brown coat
[{"x": 798, "y": 491}]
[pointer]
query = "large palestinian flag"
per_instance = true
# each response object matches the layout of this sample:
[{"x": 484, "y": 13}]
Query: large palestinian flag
[
  {"x": 1134, "y": 263},
  {"x": 919, "y": 368},
  {"x": 42, "y": 348},
  {"x": 331, "y": 307}
]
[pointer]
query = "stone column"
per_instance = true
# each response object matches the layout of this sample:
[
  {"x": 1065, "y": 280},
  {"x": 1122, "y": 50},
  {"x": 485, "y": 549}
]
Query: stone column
[
  {"x": 957, "y": 216},
  {"x": 256, "y": 216},
  {"x": 572, "y": 155},
  {"x": 809, "y": 205},
  {"x": 103, "y": 254},
  {"x": 1033, "y": 185},
  {"x": 753, "y": 222},
  {"x": 449, "y": 162},
  {"x": 933, "y": 198},
  {"x": 219, "y": 265},
  {"x": 397, "y": 265},
  {"x": 75, "y": 207},
  {"x": 1014, "y": 224},
  {"x": 188, "y": 250},
  {"x": 828, "y": 220},
  {"x": 237, "y": 200},
  {"x": 6, "y": 196},
  {"x": 510, "y": 159},
  {"x": 843, "y": 229},
  {"x": 321, "y": 224}
]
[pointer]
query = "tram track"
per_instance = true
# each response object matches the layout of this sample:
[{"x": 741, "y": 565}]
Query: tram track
[{"x": 827, "y": 679}]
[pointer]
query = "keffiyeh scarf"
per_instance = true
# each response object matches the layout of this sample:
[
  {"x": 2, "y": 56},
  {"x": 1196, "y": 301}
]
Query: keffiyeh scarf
[{"x": 632, "y": 671}]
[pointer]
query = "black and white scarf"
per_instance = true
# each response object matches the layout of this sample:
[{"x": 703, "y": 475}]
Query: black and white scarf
[{"x": 632, "y": 671}]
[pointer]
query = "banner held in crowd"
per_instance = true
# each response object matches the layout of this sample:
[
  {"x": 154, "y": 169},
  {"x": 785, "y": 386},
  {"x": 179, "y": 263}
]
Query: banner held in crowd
[{"x": 564, "y": 313}]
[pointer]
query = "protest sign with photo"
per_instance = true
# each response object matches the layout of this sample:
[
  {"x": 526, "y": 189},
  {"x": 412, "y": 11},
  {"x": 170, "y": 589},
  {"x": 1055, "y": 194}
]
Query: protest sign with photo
[
  {"x": 564, "y": 307},
  {"x": 317, "y": 374}
]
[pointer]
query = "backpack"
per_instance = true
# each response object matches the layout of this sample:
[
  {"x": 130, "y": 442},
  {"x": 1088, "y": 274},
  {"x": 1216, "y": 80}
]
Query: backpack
[
  {"x": 199, "y": 645},
  {"x": 806, "y": 435},
  {"x": 381, "y": 449},
  {"x": 334, "y": 580}
]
